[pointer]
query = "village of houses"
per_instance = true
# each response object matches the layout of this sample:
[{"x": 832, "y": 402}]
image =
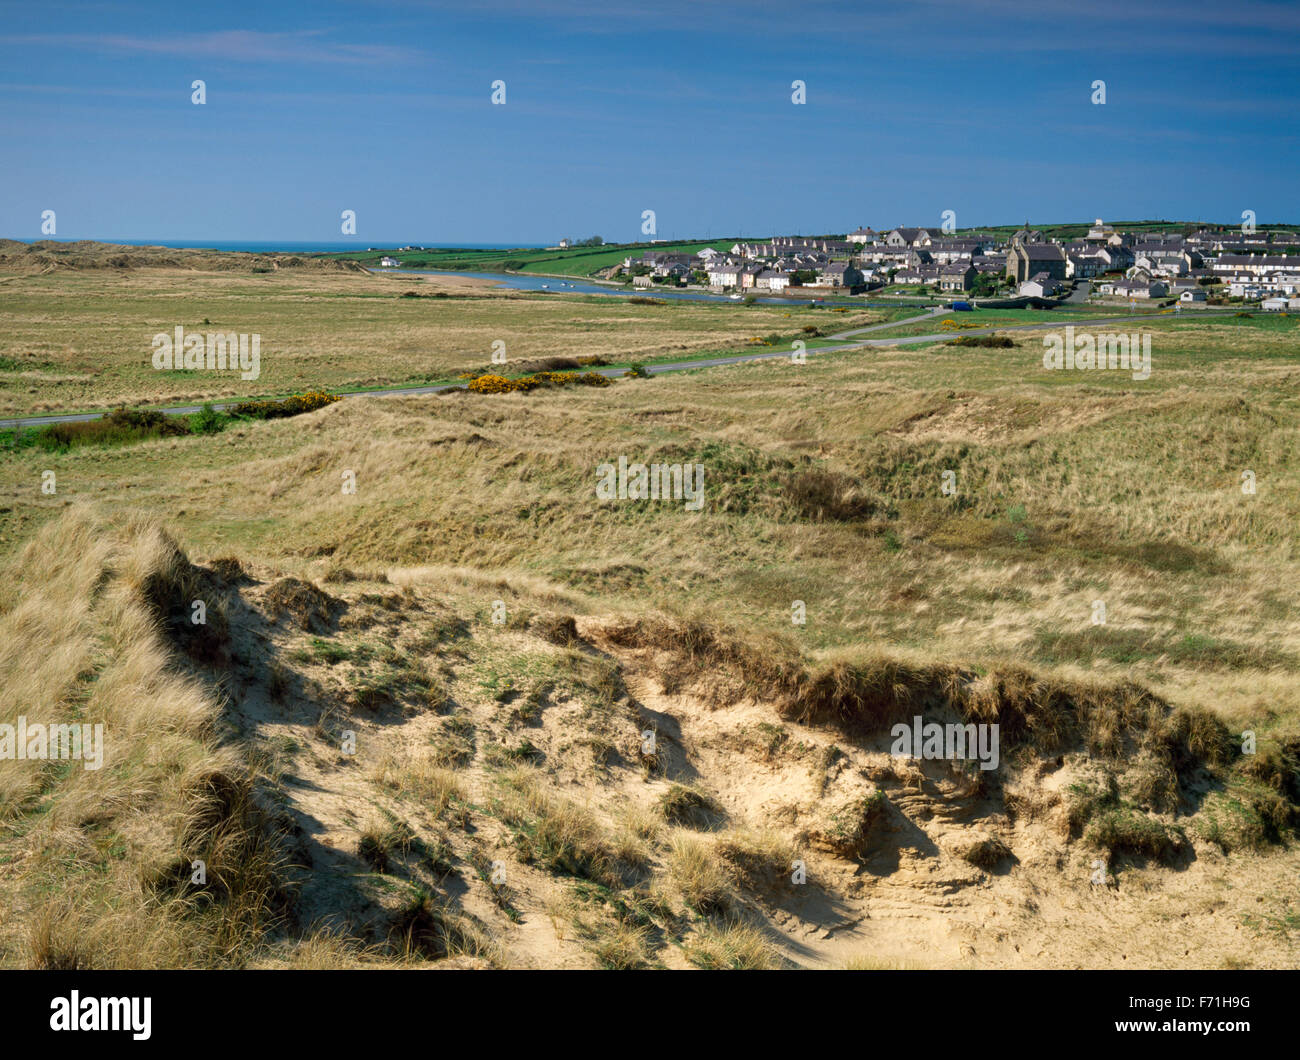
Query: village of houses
[{"x": 1199, "y": 268}]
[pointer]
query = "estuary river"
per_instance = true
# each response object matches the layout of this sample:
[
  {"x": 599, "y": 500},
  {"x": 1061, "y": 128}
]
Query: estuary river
[{"x": 521, "y": 282}]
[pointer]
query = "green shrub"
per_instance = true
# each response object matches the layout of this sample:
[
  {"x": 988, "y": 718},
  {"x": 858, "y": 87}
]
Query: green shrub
[{"x": 290, "y": 406}]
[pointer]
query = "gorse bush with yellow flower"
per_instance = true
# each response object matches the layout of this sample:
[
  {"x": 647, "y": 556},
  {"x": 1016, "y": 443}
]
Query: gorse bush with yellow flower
[
  {"x": 497, "y": 384},
  {"x": 294, "y": 405}
]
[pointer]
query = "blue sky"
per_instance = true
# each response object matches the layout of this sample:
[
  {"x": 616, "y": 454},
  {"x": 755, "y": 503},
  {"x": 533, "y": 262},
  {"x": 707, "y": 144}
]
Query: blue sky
[{"x": 618, "y": 106}]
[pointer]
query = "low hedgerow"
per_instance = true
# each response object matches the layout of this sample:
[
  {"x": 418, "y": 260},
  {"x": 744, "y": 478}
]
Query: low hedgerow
[
  {"x": 120, "y": 427},
  {"x": 125, "y": 426},
  {"x": 993, "y": 342},
  {"x": 290, "y": 406}
]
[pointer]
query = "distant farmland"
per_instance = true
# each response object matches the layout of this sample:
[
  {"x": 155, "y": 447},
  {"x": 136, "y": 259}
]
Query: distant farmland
[{"x": 578, "y": 261}]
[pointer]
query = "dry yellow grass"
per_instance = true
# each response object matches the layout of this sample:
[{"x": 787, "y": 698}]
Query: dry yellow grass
[
  {"x": 104, "y": 855},
  {"x": 82, "y": 340}
]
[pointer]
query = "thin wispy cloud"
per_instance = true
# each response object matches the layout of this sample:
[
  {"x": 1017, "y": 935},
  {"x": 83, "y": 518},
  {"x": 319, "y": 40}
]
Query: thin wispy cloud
[{"x": 236, "y": 45}]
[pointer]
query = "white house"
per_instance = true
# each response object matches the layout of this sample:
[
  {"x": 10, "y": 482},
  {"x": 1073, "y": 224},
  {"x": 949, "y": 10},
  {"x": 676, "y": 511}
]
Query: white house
[
  {"x": 1192, "y": 294},
  {"x": 725, "y": 275},
  {"x": 1100, "y": 230},
  {"x": 1274, "y": 305},
  {"x": 1040, "y": 286},
  {"x": 1128, "y": 289},
  {"x": 389, "y": 263}
]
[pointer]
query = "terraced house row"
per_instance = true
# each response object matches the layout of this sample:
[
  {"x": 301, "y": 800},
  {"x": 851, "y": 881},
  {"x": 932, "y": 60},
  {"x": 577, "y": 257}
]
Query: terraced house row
[{"x": 1195, "y": 266}]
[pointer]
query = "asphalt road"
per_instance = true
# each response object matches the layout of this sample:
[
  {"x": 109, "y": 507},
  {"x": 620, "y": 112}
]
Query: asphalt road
[{"x": 681, "y": 366}]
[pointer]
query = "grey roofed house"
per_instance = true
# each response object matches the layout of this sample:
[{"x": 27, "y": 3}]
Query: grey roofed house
[
  {"x": 954, "y": 249},
  {"x": 918, "y": 274},
  {"x": 958, "y": 276},
  {"x": 1026, "y": 259},
  {"x": 1086, "y": 265},
  {"x": 841, "y": 273},
  {"x": 880, "y": 252},
  {"x": 908, "y": 236}
]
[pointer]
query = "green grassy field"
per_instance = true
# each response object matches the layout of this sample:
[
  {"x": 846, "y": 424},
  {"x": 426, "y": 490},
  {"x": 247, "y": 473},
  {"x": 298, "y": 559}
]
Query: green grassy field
[{"x": 575, "y": 261}]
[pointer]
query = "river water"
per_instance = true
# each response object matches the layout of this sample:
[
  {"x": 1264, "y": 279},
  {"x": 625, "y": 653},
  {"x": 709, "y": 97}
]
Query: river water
[{"x": 522, "y": 282}]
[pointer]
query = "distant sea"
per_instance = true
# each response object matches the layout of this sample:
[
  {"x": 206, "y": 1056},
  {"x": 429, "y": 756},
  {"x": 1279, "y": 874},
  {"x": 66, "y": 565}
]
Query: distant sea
[{"x": 289, "y": 247}]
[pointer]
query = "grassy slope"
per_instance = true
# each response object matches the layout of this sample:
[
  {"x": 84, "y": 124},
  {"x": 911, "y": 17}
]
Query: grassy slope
[{"x": 1123, "y": 491}]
